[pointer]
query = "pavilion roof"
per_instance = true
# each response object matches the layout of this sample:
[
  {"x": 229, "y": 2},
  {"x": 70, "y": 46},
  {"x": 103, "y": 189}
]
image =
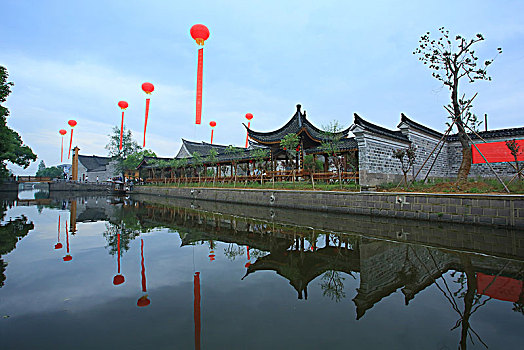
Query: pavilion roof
[{"x": 296, "y": 125}]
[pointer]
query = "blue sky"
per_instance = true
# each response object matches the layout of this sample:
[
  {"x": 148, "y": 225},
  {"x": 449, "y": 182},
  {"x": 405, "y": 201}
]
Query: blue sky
[{"x": 76, "y": 60}]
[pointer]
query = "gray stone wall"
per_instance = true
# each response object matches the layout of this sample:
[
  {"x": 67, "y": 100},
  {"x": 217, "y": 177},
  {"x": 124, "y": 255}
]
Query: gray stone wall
[
  {"x": 498, "y": 210},
  {"x": 424, "y": 145},
  {"x": 376, "y": 162}
]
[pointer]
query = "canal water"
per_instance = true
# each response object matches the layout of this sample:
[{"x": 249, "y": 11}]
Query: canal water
[{"x": 152, "y": 273}]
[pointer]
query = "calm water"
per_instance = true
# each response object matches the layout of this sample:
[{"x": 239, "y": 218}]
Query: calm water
[{"x": 201, "y": 275}]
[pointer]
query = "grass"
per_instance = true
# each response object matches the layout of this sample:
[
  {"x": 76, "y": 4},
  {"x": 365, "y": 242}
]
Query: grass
[{"x": 478, "y": 185}]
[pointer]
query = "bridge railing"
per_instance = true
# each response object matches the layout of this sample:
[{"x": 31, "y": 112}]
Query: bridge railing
[{"x": 30, "y": 178}]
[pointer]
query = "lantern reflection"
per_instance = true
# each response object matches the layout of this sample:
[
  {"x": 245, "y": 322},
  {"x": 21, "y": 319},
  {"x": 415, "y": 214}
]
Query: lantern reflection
[
  {"x": 58, "y": 245},
  {"x": 118, "y": 279},
  {"x": 143, "y": 300}
]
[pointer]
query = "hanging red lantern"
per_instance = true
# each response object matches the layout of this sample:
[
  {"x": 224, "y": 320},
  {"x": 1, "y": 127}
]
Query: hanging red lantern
[
  {"x": 212, "y": 124},
  {"x": 123, "y": 105},
  {"x": 143, "y": 300},
  {"x": 148, "y": 89},
  {"x": 72, "y": 124},
  {"x": 118, "y": 279},
  {"x": 249, "y": 116},
  {"x": 62, "y": 132},
  {"x": 199, "y": 33},
  {"x": 58, "y": 245}
]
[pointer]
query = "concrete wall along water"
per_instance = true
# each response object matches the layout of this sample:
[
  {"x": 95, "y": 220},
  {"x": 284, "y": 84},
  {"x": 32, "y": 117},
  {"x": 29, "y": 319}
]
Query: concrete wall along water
[{"x": 498, "y": 210}]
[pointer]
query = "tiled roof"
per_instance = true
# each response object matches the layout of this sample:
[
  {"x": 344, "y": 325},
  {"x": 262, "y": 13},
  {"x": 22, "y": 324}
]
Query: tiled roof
[
  {"x": 94, "y": 163},
  {"x": 492, "y": 134},
  {"x": 295, "y": 125},
  {"x": 345, "y": 144},
  {"x": 414, "y": 125},
  {"x": 378, "y": 129},
  {"x": 202, "y": 147}
]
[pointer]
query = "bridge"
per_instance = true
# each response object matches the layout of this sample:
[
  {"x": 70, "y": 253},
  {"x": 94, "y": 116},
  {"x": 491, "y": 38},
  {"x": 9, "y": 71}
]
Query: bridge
[{"x": 24, "y": 179}]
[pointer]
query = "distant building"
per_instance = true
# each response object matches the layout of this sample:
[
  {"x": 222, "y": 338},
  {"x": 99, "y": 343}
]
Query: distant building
[{"x": 92, "y": 166}]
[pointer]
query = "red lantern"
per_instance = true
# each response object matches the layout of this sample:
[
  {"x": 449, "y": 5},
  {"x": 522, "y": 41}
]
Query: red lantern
[
  {"x": 72, "y": 124},
  {"x": 148, "y": 89},
  {"x": 123, "y": 105},
  {"x": 249, "y": 116},
  {"x": 200, "y": 33},
  {"x": 62, "y": 132},
  {"x": 212, "y": 124},
  {"x": 118, "y": 279},
  {"x": 143, "y": 300}
]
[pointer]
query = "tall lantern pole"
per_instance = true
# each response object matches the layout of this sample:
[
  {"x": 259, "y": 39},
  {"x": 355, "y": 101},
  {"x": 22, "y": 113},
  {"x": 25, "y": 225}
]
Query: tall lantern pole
[
  {"x": 199, "y": 33},
  {"x": 249, "y": 116},
  {"x": 212, "y": 124},
  {"x": 148, "y": 89},
  {"x": 72, "y": 123},
  {"x": 123, "y": 105},
  {"x": 62, "y": 132}
]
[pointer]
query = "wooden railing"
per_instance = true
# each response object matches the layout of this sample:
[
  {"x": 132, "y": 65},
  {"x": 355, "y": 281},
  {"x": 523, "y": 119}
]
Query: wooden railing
[
  {"x": 33, "y": 179},
  {"x": 278, "y": 176}
]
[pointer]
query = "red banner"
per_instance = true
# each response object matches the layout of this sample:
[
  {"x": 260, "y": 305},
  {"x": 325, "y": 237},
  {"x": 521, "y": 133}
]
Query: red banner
[
  {"x": 200, "y": 73},
  {"x": 499, "y": 287},
  {"x": 496, "y": 152}
]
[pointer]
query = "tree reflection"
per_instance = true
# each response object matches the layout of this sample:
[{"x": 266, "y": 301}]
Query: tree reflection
[
  {"x": 126, "y": 236},
  {"x": 332, "y": 285}
]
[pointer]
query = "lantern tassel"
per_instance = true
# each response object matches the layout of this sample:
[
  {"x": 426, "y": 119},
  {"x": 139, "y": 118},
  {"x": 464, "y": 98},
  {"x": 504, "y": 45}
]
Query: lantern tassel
[
  {"x": 118, "y": 238},
  {"x": 212, "y": 136},
  {"x": 145, "y": 125},
  {"x": 200, "y": 72},
  {"x": 247, "y": 135},
  {"x": 70, "y": 143},
  {"x": 62, "y": 151},
  {"x": 122, "y": 130}
]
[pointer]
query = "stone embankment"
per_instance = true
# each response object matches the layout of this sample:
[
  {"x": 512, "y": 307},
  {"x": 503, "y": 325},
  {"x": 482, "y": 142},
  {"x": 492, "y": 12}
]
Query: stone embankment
[
  {"x": 79, "y": 186},
  {"x": 495, "y": 210}
]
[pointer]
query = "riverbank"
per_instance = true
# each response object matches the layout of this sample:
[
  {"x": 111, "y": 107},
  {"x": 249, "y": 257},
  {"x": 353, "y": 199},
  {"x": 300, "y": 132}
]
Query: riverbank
[{"x": 480, "y": 209}]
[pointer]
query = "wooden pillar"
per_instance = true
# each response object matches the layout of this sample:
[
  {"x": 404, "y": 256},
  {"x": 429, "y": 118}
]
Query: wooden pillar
[
  {"x": 74, "y": 173},
  {"x": 326, "y": 162}
]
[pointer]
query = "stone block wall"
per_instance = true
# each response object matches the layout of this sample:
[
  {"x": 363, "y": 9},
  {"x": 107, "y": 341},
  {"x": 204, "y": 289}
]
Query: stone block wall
[
  {"x": 424, "y": 145},
  {"x": 495, "y": 210}
]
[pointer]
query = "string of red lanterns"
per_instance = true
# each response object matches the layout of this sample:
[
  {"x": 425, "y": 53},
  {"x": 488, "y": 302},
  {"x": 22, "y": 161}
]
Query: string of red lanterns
[
  {"x": 72, "y": 123},
  {"x": 123, "y": 105},
  {"x": 199, "y": 33},
  {"x": 249, "y": 116},
  {"x": 212, "y": 124},
  {"x": 62, "y": 132},
  {"x": 148, "y": 89}
]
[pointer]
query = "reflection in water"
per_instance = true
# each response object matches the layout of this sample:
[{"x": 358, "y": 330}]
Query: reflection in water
[
  {"x": 58, "y": 245},
  {"x": 143, "y": 301},
  {"x": 118, "y": 279},
  {"x": 68, "y": 257},
  {"x": 307, "y": 257},
  {"x": 196, "y": 308}
]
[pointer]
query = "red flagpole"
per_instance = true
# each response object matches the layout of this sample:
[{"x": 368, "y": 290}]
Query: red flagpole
[
  {"x": 70, "y": 143},
  {"x": 122, "y": 130},
  {"x": 145, "y": 125},
  {"x": 247, "y": 135},
  {"x": 200, "y": 73}
]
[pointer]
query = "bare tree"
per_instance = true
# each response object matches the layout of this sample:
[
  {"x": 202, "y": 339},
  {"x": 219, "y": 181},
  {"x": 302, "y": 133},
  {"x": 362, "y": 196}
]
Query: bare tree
[{"x": 452, "y": 61}]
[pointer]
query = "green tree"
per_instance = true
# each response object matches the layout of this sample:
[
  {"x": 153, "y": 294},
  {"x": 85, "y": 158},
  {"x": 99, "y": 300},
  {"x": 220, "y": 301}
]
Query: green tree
[
  {"x": 452, "y": 61},
  {"x": 134, "y": 159},
  {"x": 52, "y": 172},
  {"x": 331, "y": 145},
  {"x": 12, "y": 148},
  {"x": 406, "y": 158},
  {"x": 260, "y": 155},
  {"x": 197, "y": 162},
  {"x": 129, "y": 147},
  {"x": 212, "y": 159},
  {"x": 234, "y": 154},
  {"x": 289, "y": 144}
]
